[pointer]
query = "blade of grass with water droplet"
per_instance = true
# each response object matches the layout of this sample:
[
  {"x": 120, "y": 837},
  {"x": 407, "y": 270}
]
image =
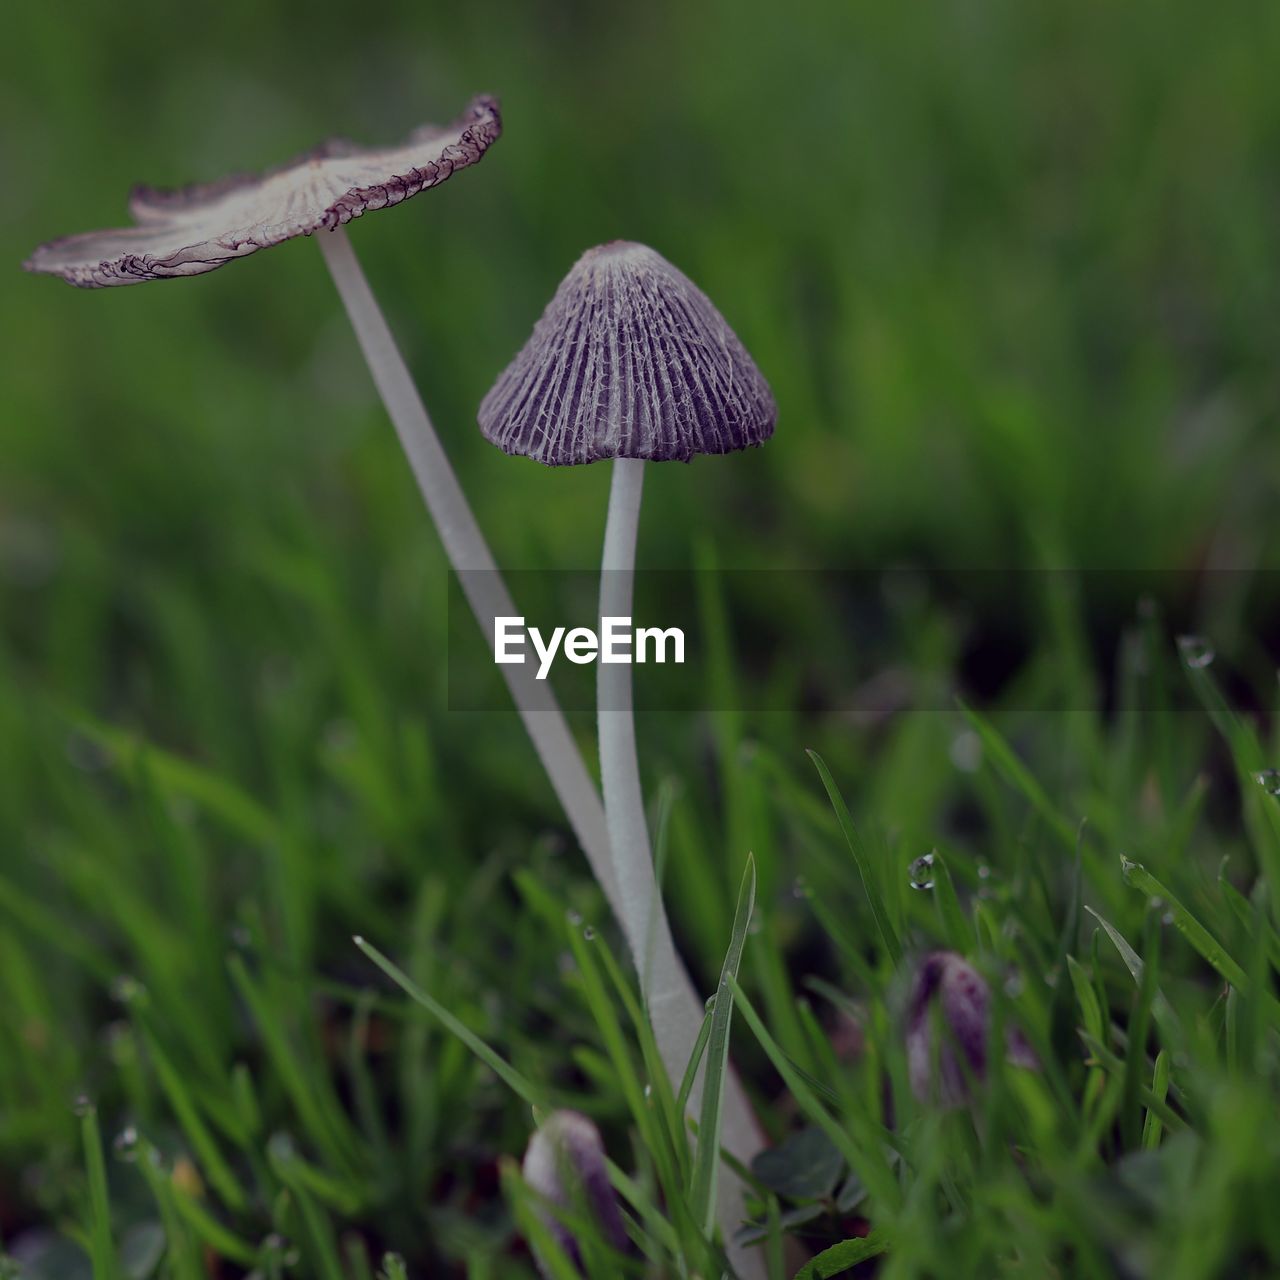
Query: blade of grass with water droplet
[
  {"x": 1211, "y": 950},
  {"x": 706, "y": 1160},
  {"x": 870, "y": 886}
]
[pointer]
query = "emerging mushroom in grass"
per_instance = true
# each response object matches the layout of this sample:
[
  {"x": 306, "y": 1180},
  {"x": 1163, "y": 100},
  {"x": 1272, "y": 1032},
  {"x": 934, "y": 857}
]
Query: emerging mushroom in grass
[
  {"x": 631, "y": 361},
  {"x": 949, "y": 992},
  {"x": 564, "y": 1164},
  {"x": 200, "y": 228}
]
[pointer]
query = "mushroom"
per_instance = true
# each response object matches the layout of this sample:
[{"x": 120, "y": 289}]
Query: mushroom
[
  {"x": 632, "y": 361},
  {"x": 200, "y": 228},
  {"x": 943, "y": 1073},
  {"x": 564, "y": 1164}
]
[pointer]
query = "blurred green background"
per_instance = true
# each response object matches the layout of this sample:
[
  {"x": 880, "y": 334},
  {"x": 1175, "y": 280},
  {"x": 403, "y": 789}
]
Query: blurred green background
[{"x": 1011, "y": 269}]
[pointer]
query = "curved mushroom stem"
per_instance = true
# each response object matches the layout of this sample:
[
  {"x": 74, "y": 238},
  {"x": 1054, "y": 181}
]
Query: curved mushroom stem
[
  {"x": 675, "y": 1019},
  {"x": 469, "y": 555}
]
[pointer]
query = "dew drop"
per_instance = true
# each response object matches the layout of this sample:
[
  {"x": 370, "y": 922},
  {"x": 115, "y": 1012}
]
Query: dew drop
[
  {"x": 575, "y": 919},
  {"x": 1269, "y": 781},
  {"x": 1196, "y": 651},
  {"x": 127, "y": 990},
  {"x": 710, "y": 1004},
  {"x": 126, "y": 1145},
  {"x": 589, "y": 934},
  {"x": 984, "y": 871},
  {"x": 920, "y": 872},
  {"x": 82, "y": 1105}
]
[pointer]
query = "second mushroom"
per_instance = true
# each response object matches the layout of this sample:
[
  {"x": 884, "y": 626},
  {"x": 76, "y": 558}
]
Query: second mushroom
[{"x": 632, "y": 362}]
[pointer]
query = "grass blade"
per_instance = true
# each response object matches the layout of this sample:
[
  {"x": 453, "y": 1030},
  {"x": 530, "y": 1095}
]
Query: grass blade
[
  {"x": 706, "y": 1163},
  {"x": 887, "y": 934},
  {"x": 1210, "y": 949},
  {"x": 102, "y": 1250},
  {"x": 523, "y": 1087},
  {"x": 841, "y": 1257},
  {"x": 1019, "y": 776}
]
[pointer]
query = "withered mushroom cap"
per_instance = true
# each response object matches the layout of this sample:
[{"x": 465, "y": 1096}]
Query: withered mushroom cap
[
  {"x": 630, "y": 359},
  {"x": 199, "y": 228}
]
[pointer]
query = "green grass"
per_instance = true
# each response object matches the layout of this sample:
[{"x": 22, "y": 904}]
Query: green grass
[{"x": 1011, "y": 272}]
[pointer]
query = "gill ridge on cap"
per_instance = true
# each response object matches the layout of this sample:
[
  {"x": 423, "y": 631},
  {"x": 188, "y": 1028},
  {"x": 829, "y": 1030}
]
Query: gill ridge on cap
[{"x": 630, "y": 359}]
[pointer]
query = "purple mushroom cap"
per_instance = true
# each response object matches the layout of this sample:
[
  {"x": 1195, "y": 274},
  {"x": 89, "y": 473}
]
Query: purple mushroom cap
[
  {"x": 196, "y": 229},
  {"x": 564, "y": 1163},
  {"x": 943, "y": 1073},
  {"x": 629, "y": 360}
]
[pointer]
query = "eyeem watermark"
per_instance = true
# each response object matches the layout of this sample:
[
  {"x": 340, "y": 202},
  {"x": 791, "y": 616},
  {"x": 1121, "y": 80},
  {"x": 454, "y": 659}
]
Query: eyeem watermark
[{"x": 616, "y": 642}]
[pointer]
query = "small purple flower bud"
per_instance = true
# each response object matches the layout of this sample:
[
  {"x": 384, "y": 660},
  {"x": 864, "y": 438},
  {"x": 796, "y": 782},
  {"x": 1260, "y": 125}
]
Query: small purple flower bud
[
  {"x": 564, "y": 1163},
  {"x": 942, "y": 1073}
]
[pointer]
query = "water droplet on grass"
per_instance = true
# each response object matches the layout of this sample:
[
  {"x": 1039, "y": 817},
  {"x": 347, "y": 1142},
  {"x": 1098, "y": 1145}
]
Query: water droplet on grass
[
  {"x": 127, "y": 990},
  {"x": 126, "y": 1145},
  {"x": 1196, "y": 651},
  {"x": 1269, "y": 781},
  {"x": 920, "y": 872},
  {"x": 82, "y": 1105},
  {"x": 710, "y": 1004},
  {"x": 589, "y": 934}
]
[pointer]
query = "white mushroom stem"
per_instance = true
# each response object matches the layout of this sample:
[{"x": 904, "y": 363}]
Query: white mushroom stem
[
  {"x": 676, "y": 1019},
  {"x": 469, "y": 554}
]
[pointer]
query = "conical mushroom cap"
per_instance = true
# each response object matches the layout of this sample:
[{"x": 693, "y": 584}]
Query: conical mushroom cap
[
  {"x": 629, "y": 360},
  {"x": 197, "y": 229}
]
